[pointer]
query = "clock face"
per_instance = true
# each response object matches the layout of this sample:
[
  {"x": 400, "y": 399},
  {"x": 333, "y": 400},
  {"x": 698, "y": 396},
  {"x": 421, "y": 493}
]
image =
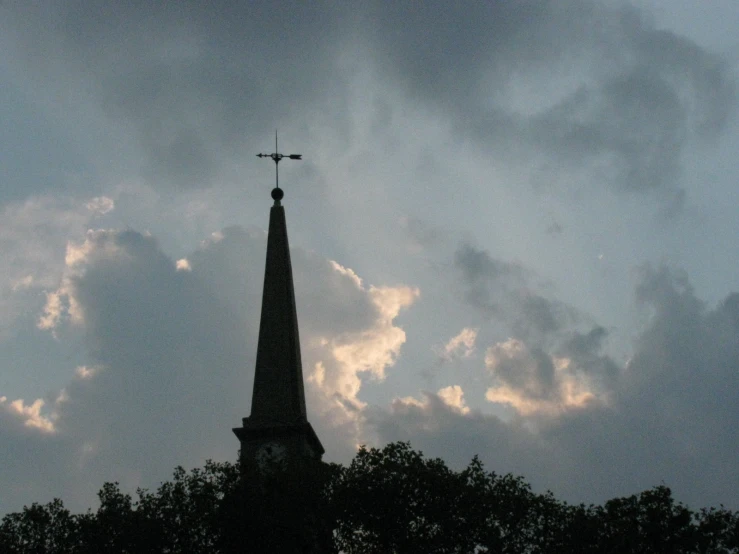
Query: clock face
[{"x": 270, "y": 452}]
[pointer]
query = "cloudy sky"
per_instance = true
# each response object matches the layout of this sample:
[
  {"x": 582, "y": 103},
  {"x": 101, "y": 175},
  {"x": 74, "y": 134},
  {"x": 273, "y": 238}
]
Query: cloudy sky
[{"x": 513, "y": 234}]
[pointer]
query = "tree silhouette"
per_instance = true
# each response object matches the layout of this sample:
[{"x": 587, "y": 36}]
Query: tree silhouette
[{"x": 389, "y": 500}]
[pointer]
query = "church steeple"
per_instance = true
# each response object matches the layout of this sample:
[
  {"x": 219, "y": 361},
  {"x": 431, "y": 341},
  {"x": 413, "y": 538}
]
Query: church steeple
[
  {"x": 278, "y": 378},
  {"x": 278, "y": 426}
]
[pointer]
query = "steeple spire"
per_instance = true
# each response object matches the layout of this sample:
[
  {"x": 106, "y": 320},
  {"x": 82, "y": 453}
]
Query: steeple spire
[
  {"x": 278, "y": 379},
  {"x": 278, "y": 425}
]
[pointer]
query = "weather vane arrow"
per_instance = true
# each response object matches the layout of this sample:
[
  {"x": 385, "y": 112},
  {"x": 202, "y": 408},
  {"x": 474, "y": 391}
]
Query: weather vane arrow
[{"x": 277, "y": 157}]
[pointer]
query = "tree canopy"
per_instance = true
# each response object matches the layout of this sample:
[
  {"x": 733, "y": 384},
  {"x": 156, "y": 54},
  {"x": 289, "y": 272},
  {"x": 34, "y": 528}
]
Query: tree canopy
[{"x": 389, "y": 500}]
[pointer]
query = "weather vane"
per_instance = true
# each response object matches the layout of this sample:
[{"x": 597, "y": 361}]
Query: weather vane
[{"x": 276, "y": 156}]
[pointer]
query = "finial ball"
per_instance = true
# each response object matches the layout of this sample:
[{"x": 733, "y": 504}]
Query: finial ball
[{"x": 277, "y": 194}]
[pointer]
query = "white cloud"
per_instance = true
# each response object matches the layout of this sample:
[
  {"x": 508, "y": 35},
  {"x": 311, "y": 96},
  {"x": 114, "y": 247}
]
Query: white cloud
[
  {"x": 100, "y": 205},
  {"x": 183, "y": 264},
  {"x": 373, "y": 350},
  {"x": 32, "y": 236},
  {"x": 22, "y": 283},
  {"x": 453, "y": 396},
  {"x": 340, "y": 359},
  {"x": 30, "y": 414},
  {"x": 97, "y": 242},
  {"x": 63, "y": 304},
  {"x": 462, "y": 344},
  {"x": 347, "y": 272},
  {"x": 86, "y": 372},
  {"x": 534, "y": 382}
]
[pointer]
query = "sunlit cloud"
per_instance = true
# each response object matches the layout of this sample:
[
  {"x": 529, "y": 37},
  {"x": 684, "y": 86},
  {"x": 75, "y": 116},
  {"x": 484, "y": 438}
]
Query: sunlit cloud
[
  {"x": 533, "y": 382},
  {"x": 30, "y": 414},
  {"x": 183, "y": 264},
  {"x": 100, "y": 205},
  {"x": 86, "y": 372},
  {"x": 462, "y": 344},
  {"x": 345, "y": 358},
  {"x": 23, "y": 283},
  {"x": 453, "y": 396}
]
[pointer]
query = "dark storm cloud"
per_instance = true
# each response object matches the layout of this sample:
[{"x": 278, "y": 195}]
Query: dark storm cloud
[
  {"x": 543, "y": 314},
  {"x": 504, "y": 291},
  {"x": 479, "y": 271},
  {"x": 164, "y": 346},
  {"x": 690, "y": 355},
  {"x": 606, "y": 88},
  {"x": 156, "y": 342},
  {"x": 194, "y": 80},
  {"x": 670, "y": 415},
  {"x": 31, "y": 462},
  {"x": 169, "y": 360},
  {"x": 536, "y": 378},
  {"x": 674, "y": 415},
  {"x": 563, "y": 87},
  {"x": 438, "y": 429},
  {"x": 166, "y": 359},
  {"x": 421, "y": 233},
  {"x": 586, "y": 352}
]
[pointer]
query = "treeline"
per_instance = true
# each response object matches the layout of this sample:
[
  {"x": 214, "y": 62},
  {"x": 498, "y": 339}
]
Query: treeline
[{"x": 390, "y": 500}]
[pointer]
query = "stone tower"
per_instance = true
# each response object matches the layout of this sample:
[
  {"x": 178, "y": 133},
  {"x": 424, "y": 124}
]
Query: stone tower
[{"x": 278, "y": 427}]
